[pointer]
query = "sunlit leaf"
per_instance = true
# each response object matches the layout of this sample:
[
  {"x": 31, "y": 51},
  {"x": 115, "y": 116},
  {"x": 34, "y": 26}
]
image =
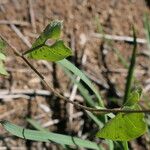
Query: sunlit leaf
[
  {"x": 52, "y": 31},
  {"x": 55, "y": 52},
  {"x": 125, "y": 126}
]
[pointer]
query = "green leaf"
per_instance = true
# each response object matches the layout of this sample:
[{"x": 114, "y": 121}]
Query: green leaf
[
  {"x": 47, "y": 136},
  {"x": 2, "y": 45},
  {"x": 125, "y": 126},
  {"x": 2, "y": 69},
  {"x": 55, "y": 52},
  {"x": 65, "y": 63},
  {"x": 52, "y": 31},
  {"x": 2, "y": 56},
  {"x": 134, "y": 97}
]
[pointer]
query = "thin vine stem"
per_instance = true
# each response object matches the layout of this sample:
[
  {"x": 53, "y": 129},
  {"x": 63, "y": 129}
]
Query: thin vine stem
[{"x": 50, "y": 88}]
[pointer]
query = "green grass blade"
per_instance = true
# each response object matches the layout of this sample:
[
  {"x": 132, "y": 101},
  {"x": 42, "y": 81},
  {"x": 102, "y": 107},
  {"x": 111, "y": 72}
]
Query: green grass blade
[
  {"x": 36, "y": 125},
  {"x": 111, "y": 144},
  {"x": 131, "y": 69},
  {"x": 89, "y": 100},
  {"x": 47, "y": 136},
  {"x": 95, "y": 119},
  {"x": 65, "y": 63},
  {"x": 84, "y": 92},
  {"x": 147, "y": 28}
]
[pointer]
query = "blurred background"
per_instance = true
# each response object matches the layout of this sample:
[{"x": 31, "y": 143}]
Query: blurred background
[{"x": 105, "y": 62}]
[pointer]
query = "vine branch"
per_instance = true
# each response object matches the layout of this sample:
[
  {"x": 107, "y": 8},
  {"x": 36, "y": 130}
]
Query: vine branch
[{"x": 50, "y": 88}]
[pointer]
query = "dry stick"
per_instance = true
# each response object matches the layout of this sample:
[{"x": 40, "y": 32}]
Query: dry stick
[
  {"x": 118, "y": 38},
  {"x": 32, "y": 16},
  {"x": 18, "y": 32},
  {"x": 15, "y": 22},
  {"x": 49, "y": 87},
  {"x": 26, "y": 92},
  {"x": 8, "y": 95}
]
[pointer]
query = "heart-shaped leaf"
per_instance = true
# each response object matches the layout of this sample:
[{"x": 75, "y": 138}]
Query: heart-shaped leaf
[
  {"x": 55, "y": 52},
  {"x": 124, "y": 127}
]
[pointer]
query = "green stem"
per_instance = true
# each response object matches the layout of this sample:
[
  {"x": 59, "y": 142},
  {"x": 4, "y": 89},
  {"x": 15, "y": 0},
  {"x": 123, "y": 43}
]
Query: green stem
[
  {"x": 131, "y": 69},
  {"x": 125, "y": 145}
]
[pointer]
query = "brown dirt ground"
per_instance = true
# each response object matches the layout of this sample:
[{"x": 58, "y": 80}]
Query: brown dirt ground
[{"x": 116, "y": 17}]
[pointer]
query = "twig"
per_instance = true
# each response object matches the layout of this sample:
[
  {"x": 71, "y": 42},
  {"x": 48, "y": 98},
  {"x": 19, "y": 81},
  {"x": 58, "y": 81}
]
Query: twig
[
  {"x": 15, "y": 22},
  {"x": 32, "y": 16},
  {"x": 7, "y": 98},
  {"x": 23, "y": 93},
  {"x": 18, "y": 32},
  {"x": 49, "y": 87},
  {"x": 29, "y": 92},
  {"x": 118, "y": 38},
  {"x": 50, "y": 123},
  {"x": 124, "y": 71}
]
